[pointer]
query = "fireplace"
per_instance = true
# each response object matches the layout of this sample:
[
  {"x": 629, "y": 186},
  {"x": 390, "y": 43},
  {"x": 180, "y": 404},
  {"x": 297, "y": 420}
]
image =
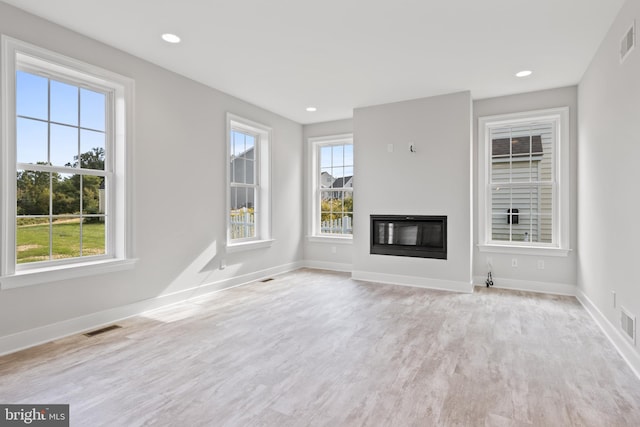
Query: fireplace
[{"x": 414, "y": 236}]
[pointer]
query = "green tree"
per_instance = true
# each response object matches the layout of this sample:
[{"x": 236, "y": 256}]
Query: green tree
[
  {"x": 33, "y": 188},
  {"x": 332, "y": 209},
  {"x": 32, "y": 193},
  {"x": 92, "y": 159}
]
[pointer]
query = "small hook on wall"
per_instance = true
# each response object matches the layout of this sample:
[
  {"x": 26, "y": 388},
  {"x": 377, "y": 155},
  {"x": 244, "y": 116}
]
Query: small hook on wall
[{"x": 412, "y": 148}]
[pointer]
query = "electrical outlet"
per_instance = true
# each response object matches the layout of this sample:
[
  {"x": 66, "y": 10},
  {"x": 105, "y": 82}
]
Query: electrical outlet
[
  {"x": 540, "y": 264},
  {"x": 489, "y": 263},
  {"x": 390, "y": 148},
  {"x": 514, "y": 262},
  {"x": 333, "y": 249}
]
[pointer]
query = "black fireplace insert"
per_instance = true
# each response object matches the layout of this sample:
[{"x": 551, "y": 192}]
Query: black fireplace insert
[{"x": 422, "y": 236}]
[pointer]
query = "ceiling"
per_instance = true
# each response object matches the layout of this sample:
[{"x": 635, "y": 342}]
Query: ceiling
[{"x": 337, "y": 55}]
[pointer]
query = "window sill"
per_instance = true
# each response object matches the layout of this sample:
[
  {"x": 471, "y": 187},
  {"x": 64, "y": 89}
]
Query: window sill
[
  {"x": 248, "y": 246},
  {"x": 525, "y": 250},
  {"x": 64, "y": 272},
  {"x": 330, "y": 239}
]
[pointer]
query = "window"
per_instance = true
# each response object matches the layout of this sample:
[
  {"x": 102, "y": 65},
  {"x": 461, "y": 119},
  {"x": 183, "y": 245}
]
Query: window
[
  {"x": 332, "y": 212},
  {"x": 523, "y": 166},
  {"x": 249, "y": 180},
  {"x": 64, "y": 163}
]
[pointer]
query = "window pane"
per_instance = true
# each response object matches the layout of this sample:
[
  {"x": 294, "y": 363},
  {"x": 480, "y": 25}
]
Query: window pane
[
  {"x": 242, "y": 215},
  {"x": 325, "y": 156},
  {"x": 500, "y": 170},
  {"x": 523, "y": 169},
  {"x": 500, "y": 198},
  {"x": 237, "y": 142},
  {"x": 348, "y": 173},
  {"x": 326, "y": 178},
  {"x": 502, "y": 213},
  {"x": 546, "y": 229},
  {"x": 500, "y": 228},
  {"x": 250, "y": 153},
  {"x": 522, "y": 214},
  {"x": 64, "y": 103},
  {"x": 32, "y": 141},
  {"x": 92, "y": 194},
  {"x": 548, "y": 137},
  {"x": 32, "y": 95},
  {"x": 93, "y": 236},
  {"x": 32, "y": 240},
  {"x": 32, "y": 193},
  {"x": 239, "y": 166},
  {"x": 64, "y": 145},
  {"x": 233, "y": 197},
  {"x": 336, "y": 212},
  {"x": 338, "y": 175},
  {"x": 92, "y": 110},
  {"x": 348, "y": 202},
  {"x": 92, "y": 149},
  {"x": 525, "y": 229},
  {"x": 66, "y": 194},
  {"x": 546, "y": 213},
  {"x": 326, "y": 195},
  {"x": 250, "y": 166},
  {"x": 348, "y": 155},
  {"x": 338, "y": 155},
  {"x": 500, "y": 142},
  {"x": 65, "y": 238},
  {"x": 250, "y": 142}
]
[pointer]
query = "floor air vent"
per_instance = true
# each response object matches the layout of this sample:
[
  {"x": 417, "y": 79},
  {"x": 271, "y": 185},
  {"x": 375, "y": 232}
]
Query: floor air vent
[
  {"x": 628, "y": 324},
  {"x": 266, "y": 280},
  {"x": 102, "y": 330},
  {"x": 628, "y": 42}
]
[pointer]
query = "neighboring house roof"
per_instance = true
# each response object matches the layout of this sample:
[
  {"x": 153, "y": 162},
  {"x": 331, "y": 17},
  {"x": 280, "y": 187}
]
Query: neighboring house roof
[
  {"x": 245, "y": 155},
  {"x": 345, "y": 182},
  {"x": 520, "y": 146}
]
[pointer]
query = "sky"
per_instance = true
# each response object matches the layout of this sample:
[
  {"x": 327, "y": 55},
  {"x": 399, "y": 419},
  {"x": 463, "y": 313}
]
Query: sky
[{"x": 56, "y": 124}]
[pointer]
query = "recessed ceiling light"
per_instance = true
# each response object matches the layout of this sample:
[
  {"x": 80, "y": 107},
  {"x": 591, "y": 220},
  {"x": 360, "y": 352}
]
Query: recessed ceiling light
[
  {"x": 311, "y": 109},
  {"x": 170, "y": 38},
  {"x": 524, "y": 73}
]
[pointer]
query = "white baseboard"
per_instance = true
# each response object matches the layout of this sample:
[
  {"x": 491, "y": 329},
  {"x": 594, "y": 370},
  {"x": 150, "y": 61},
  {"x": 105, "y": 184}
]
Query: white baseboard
[
  {"x": 332, "y": 266},
  {"x": 32, "y": 337},
  {"x": 528, "y": 285},
  {"x": 621, "y": 344},
  {"x": 418, "y": 282}
]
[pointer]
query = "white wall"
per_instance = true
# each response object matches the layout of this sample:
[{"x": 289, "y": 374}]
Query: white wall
[
  {"x": 180, "y": 195},
  {"x": 436, "y": 180},
  {"x": 559, "y": 273},
  {"x": 608, "y": 177},
  {"x": 321, "y": 254}
]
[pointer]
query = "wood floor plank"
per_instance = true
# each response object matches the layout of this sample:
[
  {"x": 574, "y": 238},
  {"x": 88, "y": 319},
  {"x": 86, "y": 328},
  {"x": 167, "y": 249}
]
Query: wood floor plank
[{"x": 314, "y": 348}]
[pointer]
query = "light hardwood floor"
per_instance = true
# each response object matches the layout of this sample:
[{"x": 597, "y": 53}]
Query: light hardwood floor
[{"x": 314, "y": 348}]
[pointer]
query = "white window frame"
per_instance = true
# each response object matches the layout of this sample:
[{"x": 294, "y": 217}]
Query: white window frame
[
  {"x": 314, "y": 144},
  {"x": 119, "y": 248},
  {"x": 262, "y": 208},
  {"x": 560, "y": 211}
]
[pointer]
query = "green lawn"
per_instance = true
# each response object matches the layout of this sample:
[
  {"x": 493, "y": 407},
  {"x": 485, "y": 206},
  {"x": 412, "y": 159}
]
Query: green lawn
[{"x": 33, "y": 241}]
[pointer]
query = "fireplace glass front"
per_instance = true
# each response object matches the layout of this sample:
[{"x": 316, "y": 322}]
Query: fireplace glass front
[{"x": 414, "y": 236}]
